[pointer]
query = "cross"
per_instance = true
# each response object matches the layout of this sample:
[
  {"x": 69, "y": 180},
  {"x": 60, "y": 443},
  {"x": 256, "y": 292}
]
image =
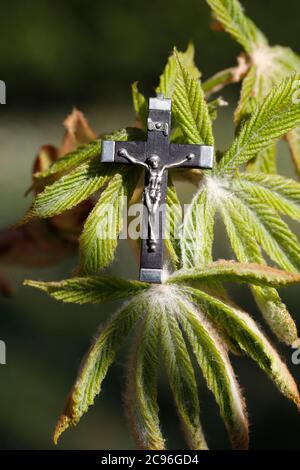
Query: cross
[{"x": 156, "y": 156}]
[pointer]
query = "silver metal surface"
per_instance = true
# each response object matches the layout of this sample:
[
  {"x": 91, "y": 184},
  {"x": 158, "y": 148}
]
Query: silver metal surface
[
  {"x": 158, "y": 126},
  {"x": 108, "y": 151},
  {"x": 207, "y": 156},
  {"x": 161, "y": 103},
  {"x": 151, "y": 275},
  {"x": 152, "y": 189}
]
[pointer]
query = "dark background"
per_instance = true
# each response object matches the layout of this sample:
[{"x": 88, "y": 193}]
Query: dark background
[{"x": 54, "y": 55}]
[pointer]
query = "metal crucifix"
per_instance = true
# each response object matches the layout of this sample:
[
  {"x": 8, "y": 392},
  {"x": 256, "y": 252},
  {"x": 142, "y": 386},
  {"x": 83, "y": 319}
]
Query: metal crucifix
[{"x": 156, "y": 156}]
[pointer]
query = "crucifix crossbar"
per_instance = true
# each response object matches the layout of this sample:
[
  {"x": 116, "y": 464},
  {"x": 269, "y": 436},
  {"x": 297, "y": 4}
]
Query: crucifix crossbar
[{"x": 156, "y": 156}]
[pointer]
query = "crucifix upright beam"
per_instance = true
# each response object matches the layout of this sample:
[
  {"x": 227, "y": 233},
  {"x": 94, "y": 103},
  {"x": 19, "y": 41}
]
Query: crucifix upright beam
[{"x": 156, "y": 156}]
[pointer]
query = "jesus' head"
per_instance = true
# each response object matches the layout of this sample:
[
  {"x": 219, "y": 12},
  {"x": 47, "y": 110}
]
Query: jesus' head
[{"x": 153, "y": 161}]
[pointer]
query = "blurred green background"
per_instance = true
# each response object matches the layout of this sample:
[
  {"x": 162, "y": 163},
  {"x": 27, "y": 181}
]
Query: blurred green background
[{"x": 57, "y": 54}]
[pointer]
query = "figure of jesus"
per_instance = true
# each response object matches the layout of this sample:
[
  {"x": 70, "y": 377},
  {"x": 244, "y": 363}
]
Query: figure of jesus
[{"x": 152, "y": 191}]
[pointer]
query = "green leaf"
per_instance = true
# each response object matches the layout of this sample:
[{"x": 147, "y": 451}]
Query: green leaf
[
  {"x": 271, "y": 232},
  {"x": 99, "y": 238},
  {"x": 189, "y": 107},
  {"x": 231, "y": 271},
  {"x": 90, "y": 290},
  {"x": 125, "y": 134},
  {"x": 141, "y": 396},
  {"x": 243, "y": 241},
  {"x": 250, "y": 203},
  {"x": 278, "y": 192},
  {"x": 278, "y": 114},
  {"x": 168, "y": 77},
  {"x": 140, "y": 105},
  {"x": 96, "y": 364},
  {"x": 198, "y": 231},
  {"x": 181, "y": 377},
  {"x": 247, "y": 250},
  {"x": 217, "y": 371},
  {"x": 242, "y": 329},
  {"x": 293, "y": 140},
  {"x": 227, "y": 195},
  {"x": 230, "y": 344},
  {"x": 86, "y": 152},
  {"x": 172, "y": 225},
  {"x": 276, "y": 314},
  {"x": 264, "y": 162},
  {"x": 270, "y": 65},
  {"x": 231, "y": 15},
  {"x": 71, "y": 189},
  {"x": 177, "y": 136},
  {"x": 72, "y": 159},
  {"x": 248, "y": 96}
]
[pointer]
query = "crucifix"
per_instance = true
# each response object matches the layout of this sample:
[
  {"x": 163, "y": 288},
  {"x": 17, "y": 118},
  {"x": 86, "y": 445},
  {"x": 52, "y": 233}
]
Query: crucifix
[{"x": 156, "y": 156}]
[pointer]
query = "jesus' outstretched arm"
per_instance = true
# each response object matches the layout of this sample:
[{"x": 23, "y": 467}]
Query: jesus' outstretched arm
[
  {"x": 123, "y": 153},
  {"x": 189, "y": 157}
]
